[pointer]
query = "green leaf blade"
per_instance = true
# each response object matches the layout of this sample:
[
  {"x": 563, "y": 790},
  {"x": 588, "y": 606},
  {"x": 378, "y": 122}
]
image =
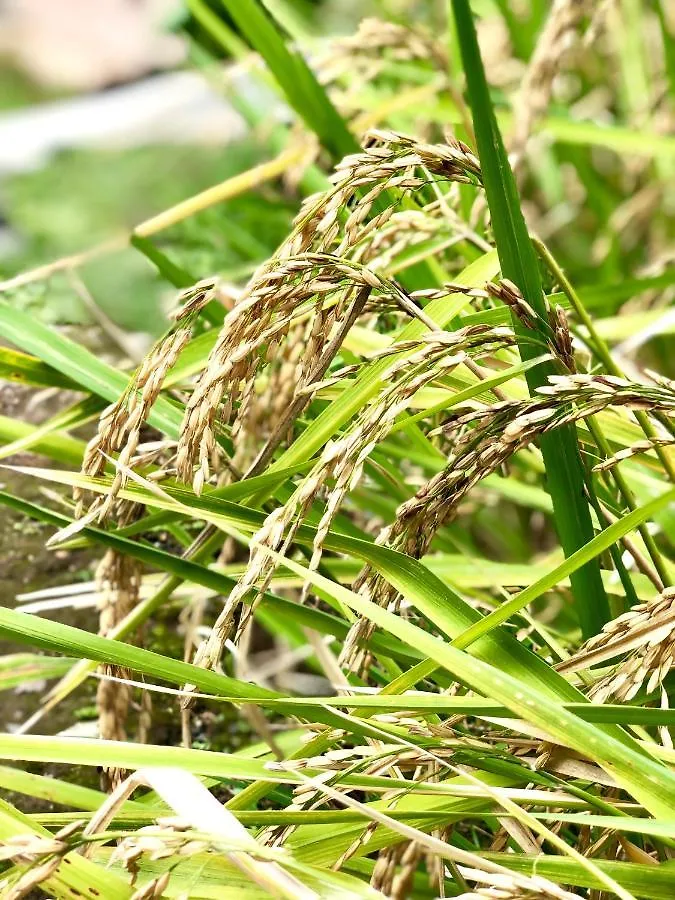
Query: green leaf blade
[{"x": 519, "y": 263}]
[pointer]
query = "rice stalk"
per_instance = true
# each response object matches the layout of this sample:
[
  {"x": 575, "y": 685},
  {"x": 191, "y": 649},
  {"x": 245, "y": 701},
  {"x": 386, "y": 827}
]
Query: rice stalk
[
  {"x": 118, "y": 576},
  {"x": 502, "y": 429},
  {"x": 364, "y": 54},
  {"x": 118, "y": 581},
  {"x": 119, "y": 427},
  {"x": 342, "y": 463},
  {"x": 645, "y": 634},
  {"x": 497, "y": 886},
  {"x": 537, "y": 85},
  {"x": 42, "y": 855},
  {"x": 308, "y": 269},
  {"x": 395, "y": 868},
  {"x": 639, "y": 447}
]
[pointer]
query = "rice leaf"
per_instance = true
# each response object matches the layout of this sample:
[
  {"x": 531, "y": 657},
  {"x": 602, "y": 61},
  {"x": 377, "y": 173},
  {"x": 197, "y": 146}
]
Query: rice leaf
[{"x": 519, "y": 263}]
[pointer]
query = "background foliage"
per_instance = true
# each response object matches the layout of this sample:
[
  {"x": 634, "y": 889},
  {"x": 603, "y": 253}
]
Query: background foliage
[{"x": 382, "y": 519}]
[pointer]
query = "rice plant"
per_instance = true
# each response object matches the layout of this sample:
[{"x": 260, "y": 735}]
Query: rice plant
[{"x": 384, "y": 530}]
